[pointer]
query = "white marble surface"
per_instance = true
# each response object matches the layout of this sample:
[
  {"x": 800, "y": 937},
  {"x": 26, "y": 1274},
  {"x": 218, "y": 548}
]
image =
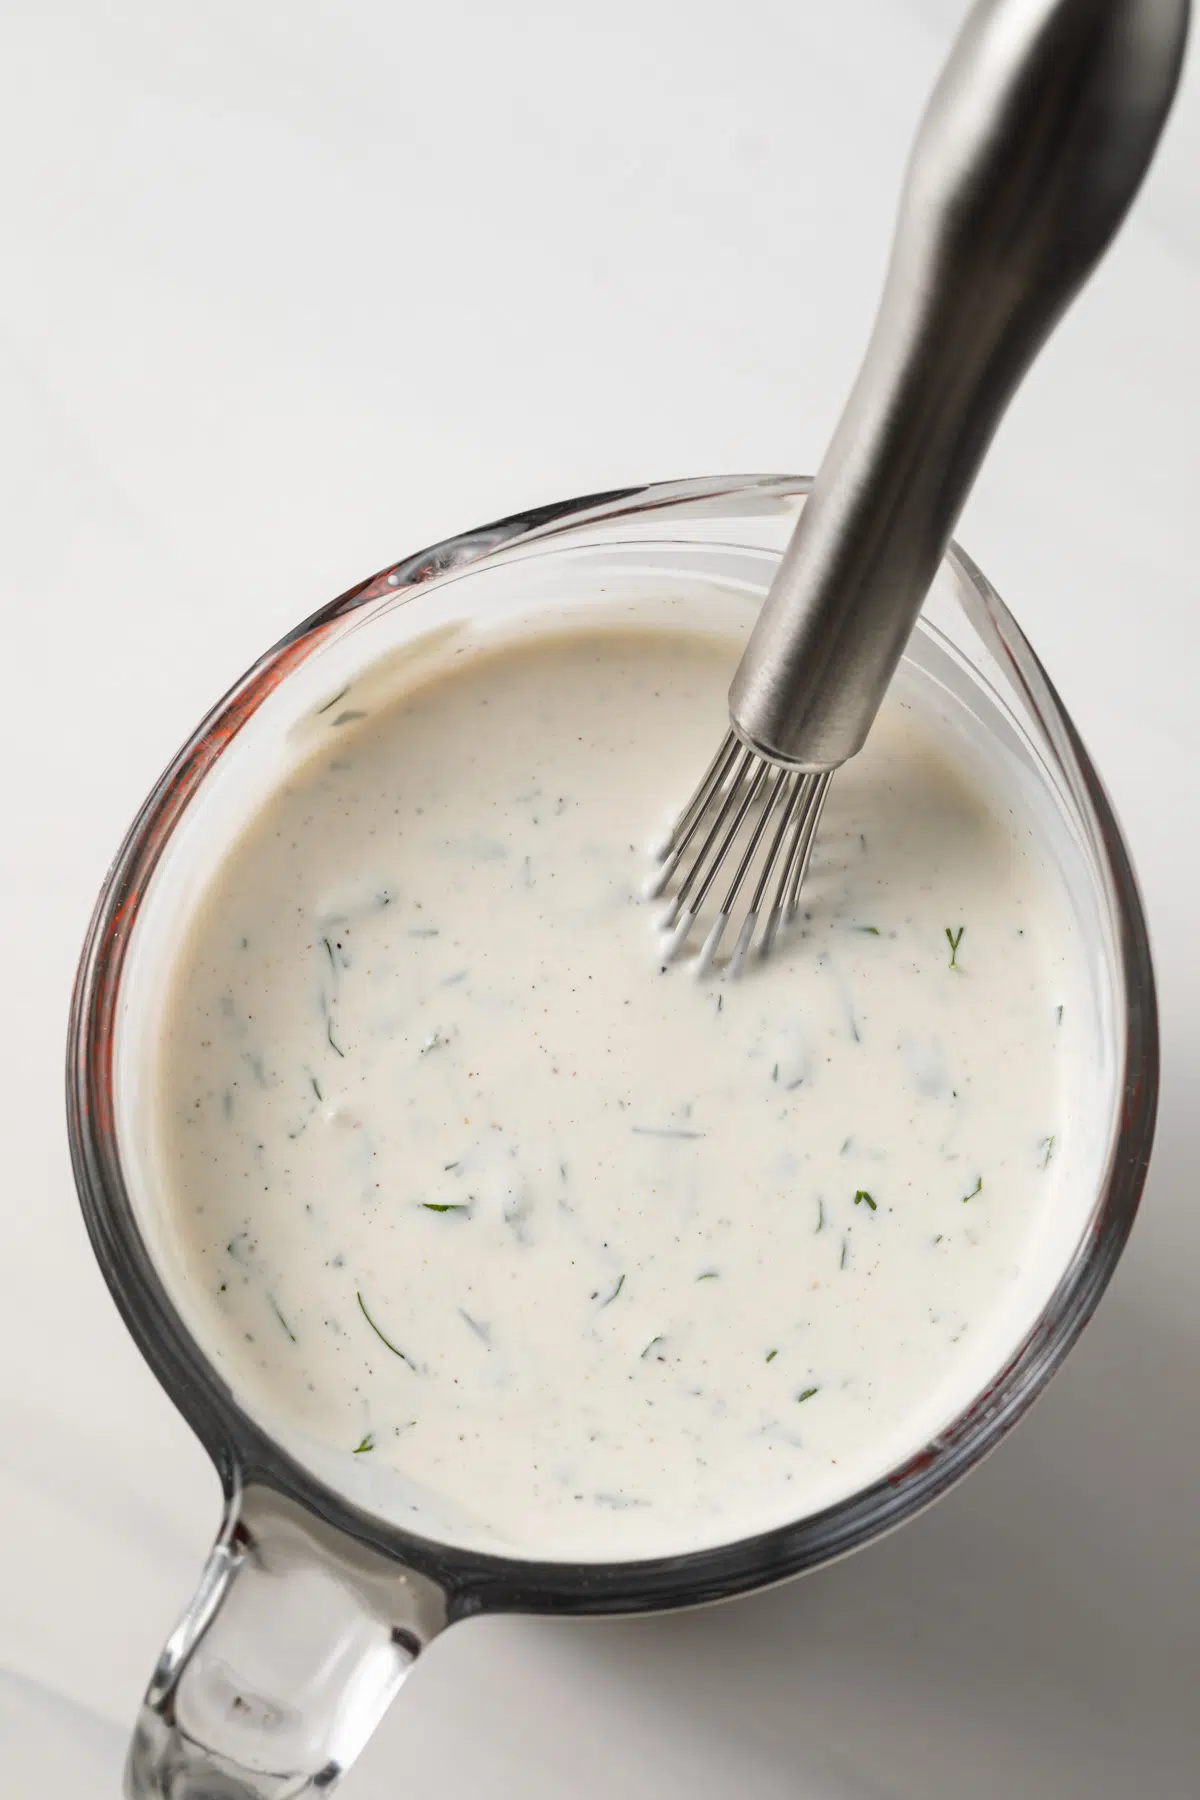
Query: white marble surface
[{"x": 291, "y": 290}]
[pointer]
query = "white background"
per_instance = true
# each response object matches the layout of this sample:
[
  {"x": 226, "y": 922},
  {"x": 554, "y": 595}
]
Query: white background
[{"x": 291, "y": 290}]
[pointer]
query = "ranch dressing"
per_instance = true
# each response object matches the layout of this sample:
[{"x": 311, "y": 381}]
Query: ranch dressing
[{"x": 604, "y": 1261}]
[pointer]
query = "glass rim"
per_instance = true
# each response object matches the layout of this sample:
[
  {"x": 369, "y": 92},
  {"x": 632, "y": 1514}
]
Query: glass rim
[{"x": 476, "y": 1581}]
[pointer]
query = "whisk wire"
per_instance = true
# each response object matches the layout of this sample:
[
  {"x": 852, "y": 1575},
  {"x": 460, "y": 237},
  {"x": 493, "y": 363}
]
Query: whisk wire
[
  {"x": 796, "y": 791},
  {"x": 807, "y": 838},
  {"x": 713, "y": 940},
  {"x": 716, "y": 835},
  {"x": 740, "y": 786},
  {"x": 672, "y": 847},
  {"x": 799, "y": 855}
]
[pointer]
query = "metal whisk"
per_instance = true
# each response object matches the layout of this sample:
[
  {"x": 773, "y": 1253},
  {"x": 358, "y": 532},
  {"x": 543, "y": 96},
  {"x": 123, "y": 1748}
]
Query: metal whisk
[
  {"x": 1034, "y": 143},
  {"x": 739, "y": 786}
]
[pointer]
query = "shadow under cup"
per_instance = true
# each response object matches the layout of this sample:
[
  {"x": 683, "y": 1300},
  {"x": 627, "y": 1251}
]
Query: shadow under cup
[{"x": 320, "y": 1592}]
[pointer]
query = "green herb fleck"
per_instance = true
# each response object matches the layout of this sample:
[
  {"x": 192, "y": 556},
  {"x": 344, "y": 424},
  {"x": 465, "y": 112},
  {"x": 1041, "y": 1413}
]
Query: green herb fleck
[
  {"x": 329, "y": 954},
  {"x": 977, "y": 1189},
  {"x": 615, "y": 1292},
  {"x": 708, "y": 1275},
  {"x": 368, "y": 1443},
  {"x": 868, "y": 930},
  {"x": 806, "y": 1395},
  {"x": 775, "y": 1073},
  {"x": 330, "y": 704},
  {"x": 442, "y": 1206},
  {"x": 452, "y": 1165},
  {"x": 663, "y": 1131},
  {"x": 383, "y": 1340},
  {"x": 282, "y": 1320},
  {"x": 820, "y": 1216},
  {"x": 1048, "y": 1150},
  {"x": 845, "y": 1253},
  {"x": 333, "y": 1043},
  {"x": 771, "y": 1355},
  {"x": 660, "y": 1339},
  {"x": 1058, "y": 1012},
  {"x": 954, "y": 939},
  {"x": 861, "y": 1196},
  {"x": 316, "y": 1087}
]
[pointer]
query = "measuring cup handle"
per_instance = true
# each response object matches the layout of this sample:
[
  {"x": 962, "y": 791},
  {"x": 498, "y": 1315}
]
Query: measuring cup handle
[{"x": 286, "y": 1659}]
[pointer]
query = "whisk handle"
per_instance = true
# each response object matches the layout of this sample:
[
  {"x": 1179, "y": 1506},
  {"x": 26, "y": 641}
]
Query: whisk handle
[{"x": 1032, "y": 147}]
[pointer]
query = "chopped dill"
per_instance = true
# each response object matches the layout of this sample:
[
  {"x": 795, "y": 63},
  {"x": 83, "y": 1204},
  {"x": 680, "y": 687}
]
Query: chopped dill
[
  {"x": 1047, "y": 1146},
  {"x": 383, "y": 1340},
  {"x": 861, "y": 1196},
  {"x": 977, "y": 1189},
  {"x": 615, "y": 1292},
  {"x": 806, "y": 1395},
  {"x": 367, "y": 1443},
  {"x": 954, "y": 939},
  {"x": 280, "y": 1317},
  {"x": 771, "y": 1355},
  {"x": 663, "y": 1131}
]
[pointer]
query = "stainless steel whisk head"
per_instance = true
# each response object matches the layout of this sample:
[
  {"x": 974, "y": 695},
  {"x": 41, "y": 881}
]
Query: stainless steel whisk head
[
  {"x": 760, "y": 813},
  {"x": 1034, "y": 143}
]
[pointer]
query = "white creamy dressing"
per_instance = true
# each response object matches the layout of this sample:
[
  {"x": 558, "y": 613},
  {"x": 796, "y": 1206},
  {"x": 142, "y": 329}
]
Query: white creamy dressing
[{"x": 605, "y": 1261}]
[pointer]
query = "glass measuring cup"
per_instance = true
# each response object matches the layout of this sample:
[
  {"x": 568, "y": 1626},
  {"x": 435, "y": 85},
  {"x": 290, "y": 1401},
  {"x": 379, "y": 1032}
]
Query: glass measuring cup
[{"x": 317, "y": 1596}]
